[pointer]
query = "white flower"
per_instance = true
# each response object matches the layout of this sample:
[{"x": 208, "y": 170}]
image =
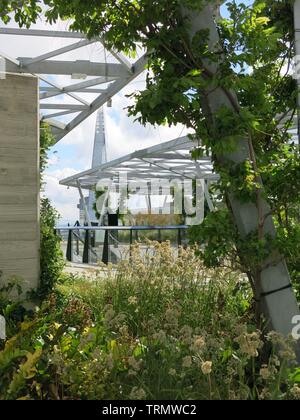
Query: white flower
[
  {"x": 172, "y": 372},
  {"x": 134, "y": 364},
  {"x": 249, "y": 343},
  {"x": 132, "y": 300},
  {"x": 295, "y": 391},
  {"x": 137, "y": 394},
  {"x": 206, "y": 368},
  {"x": 264, "y": 372},
  {"x": 198, "y": 344}
]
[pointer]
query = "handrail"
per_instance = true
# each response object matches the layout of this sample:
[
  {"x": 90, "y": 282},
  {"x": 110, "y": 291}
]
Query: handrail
[
  {"x": 83, "y": 242},
  {"x": 126, "y": 228},
  {"x": 72, "y": 231}
]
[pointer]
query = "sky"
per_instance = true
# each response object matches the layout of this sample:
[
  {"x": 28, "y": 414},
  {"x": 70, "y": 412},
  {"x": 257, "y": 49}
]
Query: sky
[{"x": 73, "y": 153}]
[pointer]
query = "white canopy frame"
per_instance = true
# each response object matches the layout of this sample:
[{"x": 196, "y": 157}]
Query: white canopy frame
[
  {"x": 103, "y": 79},
  {"x": 171, "y": 160}
]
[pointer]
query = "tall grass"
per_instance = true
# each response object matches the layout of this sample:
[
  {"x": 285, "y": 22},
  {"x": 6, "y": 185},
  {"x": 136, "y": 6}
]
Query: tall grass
[{"x": 155, "y": 327}]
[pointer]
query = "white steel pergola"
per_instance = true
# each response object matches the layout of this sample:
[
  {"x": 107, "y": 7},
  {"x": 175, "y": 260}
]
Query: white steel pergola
[
  {"x": 171, "y": 160},
  {"x": 102, "y": 79}
]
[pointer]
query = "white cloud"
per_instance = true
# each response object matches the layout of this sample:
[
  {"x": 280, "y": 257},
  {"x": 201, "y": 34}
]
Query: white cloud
[
  {"x": 124, "y": 135},
  {"x": 65, "y": 200}
]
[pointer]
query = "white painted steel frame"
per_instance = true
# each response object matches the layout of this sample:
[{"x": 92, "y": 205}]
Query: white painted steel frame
[
  {"x": 108, "y": 78},
  {"x": 169, "y": 160}
]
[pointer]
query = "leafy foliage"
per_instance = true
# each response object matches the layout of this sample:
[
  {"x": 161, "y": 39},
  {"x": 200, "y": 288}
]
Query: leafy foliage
[
  {"x": 10, "y": 304},
  {"x": 46, "y": 141},
  {"x": 219, "y": 247},
  {"x": 158, "y": 327},
  {"x": 52, "y": 261},
  {"x": 51, "y": 257}
]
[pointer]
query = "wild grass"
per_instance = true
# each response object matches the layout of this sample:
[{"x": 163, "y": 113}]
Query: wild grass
[{"x": 155, "y": 327}]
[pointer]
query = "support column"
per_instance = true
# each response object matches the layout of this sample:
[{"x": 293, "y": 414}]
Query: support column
[
  {"x": 278, "y": 300},
  {"x": 19, "y": 180}
]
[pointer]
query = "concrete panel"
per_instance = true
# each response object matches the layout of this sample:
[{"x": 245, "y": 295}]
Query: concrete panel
[{"x": 19, "y": 180}]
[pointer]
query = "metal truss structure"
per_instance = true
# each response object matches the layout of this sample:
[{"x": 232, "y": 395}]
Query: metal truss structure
[
  {"x": 64, "y": 107},
  {"x": 171, "y": 160},
  {"x": 102, "y": 80}
]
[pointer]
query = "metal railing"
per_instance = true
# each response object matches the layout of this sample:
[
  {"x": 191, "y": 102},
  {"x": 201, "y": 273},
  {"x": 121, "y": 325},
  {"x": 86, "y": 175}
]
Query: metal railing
[{"x": 91, "y": 244}]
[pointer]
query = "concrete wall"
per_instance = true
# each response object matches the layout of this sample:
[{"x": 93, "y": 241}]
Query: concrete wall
[{"x": 19, "y": 180}]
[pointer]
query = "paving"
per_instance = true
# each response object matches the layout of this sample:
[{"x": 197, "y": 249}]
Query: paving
[{"x": 85, "y": 270}]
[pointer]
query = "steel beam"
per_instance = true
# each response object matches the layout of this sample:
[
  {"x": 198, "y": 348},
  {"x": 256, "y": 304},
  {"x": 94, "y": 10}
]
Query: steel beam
[
  {"x": 59, "y": 68},
  {"x": 113, "y": 89},
  {"x": 120, "y": 73},
  {"x": 57, "y": 52},
  {"x": 273, "y": 287}
]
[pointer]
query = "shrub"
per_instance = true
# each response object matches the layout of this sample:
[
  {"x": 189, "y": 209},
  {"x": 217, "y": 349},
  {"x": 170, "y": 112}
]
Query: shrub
[
  {"x": 11, "y": 307},
  {"x": 155, "y": 327},
  {"x": 52, "y": 261}
]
